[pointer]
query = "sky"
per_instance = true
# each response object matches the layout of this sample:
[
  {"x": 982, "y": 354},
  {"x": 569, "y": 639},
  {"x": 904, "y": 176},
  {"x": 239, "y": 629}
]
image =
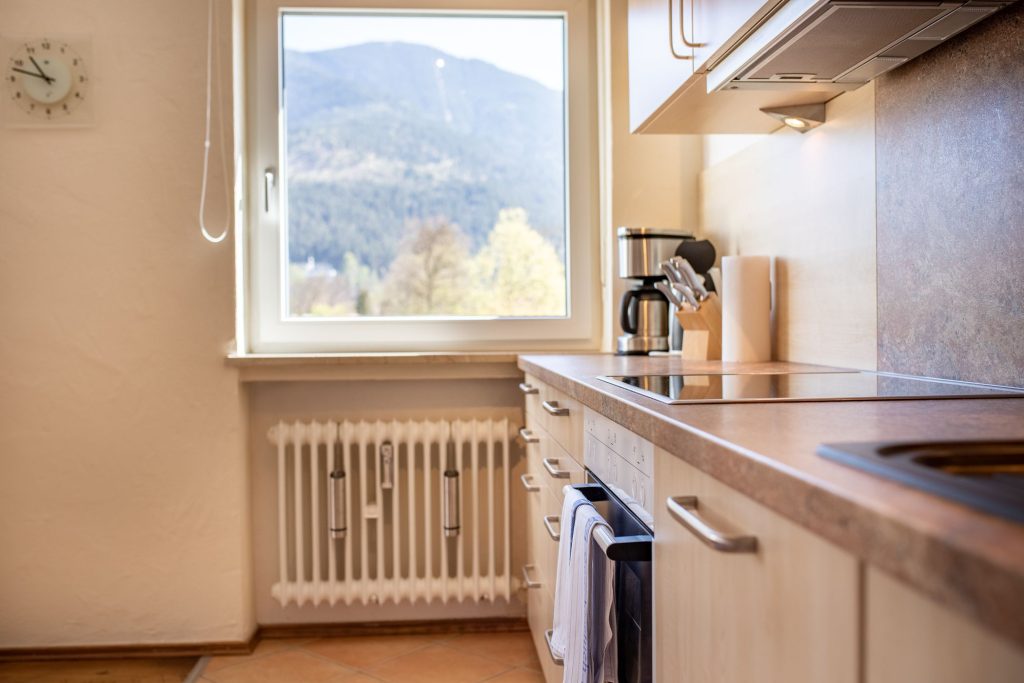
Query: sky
[{"x": 528, "y": 46}]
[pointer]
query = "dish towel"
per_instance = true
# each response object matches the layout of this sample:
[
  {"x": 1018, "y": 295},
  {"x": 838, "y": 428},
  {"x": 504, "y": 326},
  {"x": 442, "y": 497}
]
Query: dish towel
[
  {"x": 584, "y": 605},
  {"x": 571, "y": 501}
]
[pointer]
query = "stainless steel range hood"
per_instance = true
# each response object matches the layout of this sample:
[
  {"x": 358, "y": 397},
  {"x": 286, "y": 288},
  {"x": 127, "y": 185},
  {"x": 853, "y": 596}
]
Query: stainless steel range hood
[{"x": 836, "y": 45}]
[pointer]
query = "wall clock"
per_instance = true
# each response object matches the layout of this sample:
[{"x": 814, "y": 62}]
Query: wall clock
[{"x": 47, "y": 83}]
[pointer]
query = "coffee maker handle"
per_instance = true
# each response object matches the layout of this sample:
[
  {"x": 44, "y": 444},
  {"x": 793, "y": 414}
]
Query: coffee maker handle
[{"x": 624, "y": 319}]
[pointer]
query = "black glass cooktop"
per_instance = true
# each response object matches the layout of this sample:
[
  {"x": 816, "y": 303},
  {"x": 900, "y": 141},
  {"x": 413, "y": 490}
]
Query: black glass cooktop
[{"x": 803, "y": 386}]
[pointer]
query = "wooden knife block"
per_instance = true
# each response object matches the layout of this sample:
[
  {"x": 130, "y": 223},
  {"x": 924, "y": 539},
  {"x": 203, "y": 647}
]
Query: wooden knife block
[{"x": 702, "y": 330}]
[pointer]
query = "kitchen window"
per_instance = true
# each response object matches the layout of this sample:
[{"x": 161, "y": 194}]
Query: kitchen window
[{"x": 421, "y": 176}]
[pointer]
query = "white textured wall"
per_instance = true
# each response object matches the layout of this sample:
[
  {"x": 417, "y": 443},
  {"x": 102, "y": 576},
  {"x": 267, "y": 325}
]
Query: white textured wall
[
  {"x": 809, "y": 201},
  {"x": 123, "y": 472}
]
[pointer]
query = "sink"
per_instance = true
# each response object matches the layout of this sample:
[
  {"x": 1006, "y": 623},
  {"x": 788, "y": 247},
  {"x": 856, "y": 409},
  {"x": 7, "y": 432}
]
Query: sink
[{"x": 987, "y": 475}]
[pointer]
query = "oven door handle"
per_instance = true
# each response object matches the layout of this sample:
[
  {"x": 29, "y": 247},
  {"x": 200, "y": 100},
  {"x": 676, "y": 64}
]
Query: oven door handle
[{"x": 635, "y": 548}]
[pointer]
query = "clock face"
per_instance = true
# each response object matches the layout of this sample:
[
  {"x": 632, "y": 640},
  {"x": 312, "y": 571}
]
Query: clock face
[{"x": 46, "y": 79}]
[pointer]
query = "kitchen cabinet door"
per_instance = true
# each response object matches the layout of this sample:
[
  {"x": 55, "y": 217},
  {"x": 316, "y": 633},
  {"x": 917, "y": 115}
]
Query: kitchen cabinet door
[
  {"x": 659, "y": 63},
  {"x": 714, "y": 26},
  {"x": 785, "y": 613},
  {"x": 911, "y": 639}
]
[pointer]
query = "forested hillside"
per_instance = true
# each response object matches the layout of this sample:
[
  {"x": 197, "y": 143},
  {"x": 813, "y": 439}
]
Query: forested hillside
[{"x": 382, "y": 138}]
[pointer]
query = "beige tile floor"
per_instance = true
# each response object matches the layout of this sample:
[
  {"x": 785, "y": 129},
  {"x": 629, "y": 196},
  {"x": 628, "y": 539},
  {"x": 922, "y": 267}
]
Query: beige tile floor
[{"x": 466, "y": 658}]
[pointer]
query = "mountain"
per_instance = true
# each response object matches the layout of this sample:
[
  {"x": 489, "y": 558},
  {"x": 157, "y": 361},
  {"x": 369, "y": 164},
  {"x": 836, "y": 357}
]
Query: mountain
[{"x": 378, "y": 135}]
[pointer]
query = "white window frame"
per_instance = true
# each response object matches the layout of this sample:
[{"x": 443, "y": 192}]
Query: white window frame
[{"x": 267, "y": 330}]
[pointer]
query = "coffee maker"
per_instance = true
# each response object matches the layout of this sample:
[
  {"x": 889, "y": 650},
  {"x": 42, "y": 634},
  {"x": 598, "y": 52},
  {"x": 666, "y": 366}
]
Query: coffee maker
[{"x": 644, "y": 311}]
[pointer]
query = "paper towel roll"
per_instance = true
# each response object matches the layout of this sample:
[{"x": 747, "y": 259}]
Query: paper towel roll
[{"x": 746, "y": 308}]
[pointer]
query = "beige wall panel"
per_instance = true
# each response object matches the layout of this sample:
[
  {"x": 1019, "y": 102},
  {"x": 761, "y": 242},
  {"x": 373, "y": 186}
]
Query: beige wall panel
[
  {"x": 123, "y": 498},
  {"x": 809, "y": 201},
  {"x": 654, "y": 177}
]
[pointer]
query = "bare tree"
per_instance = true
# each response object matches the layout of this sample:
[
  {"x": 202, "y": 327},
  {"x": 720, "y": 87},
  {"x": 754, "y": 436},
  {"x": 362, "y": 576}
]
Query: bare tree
[{"x": 428, "y": 276}]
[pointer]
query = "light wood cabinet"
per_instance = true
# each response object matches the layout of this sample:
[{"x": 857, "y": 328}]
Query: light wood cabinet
[
  {"x": 911, "y": 639},
  {"x": 554, "y": 458},
  {"x": 785, "y": 613},
  {"x": 672, "y": 46},
  {"x": 659, "y": 64},
  {"x": 788, "y": 608},
  {"x": 714, "y": 26}
]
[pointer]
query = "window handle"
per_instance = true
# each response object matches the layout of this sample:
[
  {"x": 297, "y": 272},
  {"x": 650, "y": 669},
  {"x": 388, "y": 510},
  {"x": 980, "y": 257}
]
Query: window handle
[{"x": 269, "y": 181}]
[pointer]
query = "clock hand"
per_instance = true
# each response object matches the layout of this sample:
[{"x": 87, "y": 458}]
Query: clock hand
[
  {"x": 40, "y": 69},
  {"x": 46, "y": 78}
]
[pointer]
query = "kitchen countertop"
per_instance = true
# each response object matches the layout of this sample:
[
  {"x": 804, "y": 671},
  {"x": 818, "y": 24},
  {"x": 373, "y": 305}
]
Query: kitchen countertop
[{"x": 968, "y": 560}]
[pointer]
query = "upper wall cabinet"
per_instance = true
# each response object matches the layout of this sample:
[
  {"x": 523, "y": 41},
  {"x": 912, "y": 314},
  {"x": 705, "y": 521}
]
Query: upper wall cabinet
[
  {"x": 659, "y": 63},
  {"x": 714, "y": 26},
  {"x": 710, "y": 66},
  {"x": 671, "y": 45}
]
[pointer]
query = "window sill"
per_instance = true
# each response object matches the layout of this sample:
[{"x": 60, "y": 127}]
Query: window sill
[{"x": 374, "y": 366}]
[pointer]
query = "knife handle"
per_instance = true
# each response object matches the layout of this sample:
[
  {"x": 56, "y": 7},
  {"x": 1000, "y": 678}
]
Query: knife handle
[{"x": 696, "y": 282}]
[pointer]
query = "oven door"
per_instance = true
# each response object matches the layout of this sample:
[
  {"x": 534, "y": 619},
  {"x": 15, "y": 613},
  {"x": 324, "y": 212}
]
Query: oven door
[{"x": 629, "y": 546}]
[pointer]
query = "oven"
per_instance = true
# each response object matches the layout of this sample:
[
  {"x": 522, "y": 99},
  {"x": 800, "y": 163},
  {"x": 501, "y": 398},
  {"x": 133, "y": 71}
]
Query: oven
[{"x": 629, "y": 546}]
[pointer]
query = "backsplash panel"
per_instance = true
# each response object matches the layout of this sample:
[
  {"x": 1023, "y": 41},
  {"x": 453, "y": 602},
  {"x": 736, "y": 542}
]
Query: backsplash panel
[
  {"x": 950, "y": 201},
  {"x": 808, "y": 201}
]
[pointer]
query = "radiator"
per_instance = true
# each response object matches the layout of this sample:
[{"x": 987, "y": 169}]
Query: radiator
[{"x": 377, "y": 511}]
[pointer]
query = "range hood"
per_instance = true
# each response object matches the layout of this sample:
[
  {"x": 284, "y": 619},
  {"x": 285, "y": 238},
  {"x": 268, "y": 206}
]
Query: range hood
[{"x": 833, "y": 46}]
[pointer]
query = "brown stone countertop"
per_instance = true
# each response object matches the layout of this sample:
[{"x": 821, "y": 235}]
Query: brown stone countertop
[{"x": 963, "y": 558}]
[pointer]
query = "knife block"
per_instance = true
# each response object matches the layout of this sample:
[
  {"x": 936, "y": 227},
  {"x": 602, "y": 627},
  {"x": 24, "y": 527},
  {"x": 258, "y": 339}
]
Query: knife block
[{"x": 702, "y": 330}]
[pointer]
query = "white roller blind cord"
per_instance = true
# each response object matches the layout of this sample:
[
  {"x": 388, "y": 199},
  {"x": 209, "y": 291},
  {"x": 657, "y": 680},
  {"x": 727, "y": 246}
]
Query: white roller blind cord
[{"x": 206, "y": 138}]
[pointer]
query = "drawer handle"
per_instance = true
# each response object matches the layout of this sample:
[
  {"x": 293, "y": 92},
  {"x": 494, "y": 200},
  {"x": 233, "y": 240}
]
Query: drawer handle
[
  {"x": 548, "y": 521},
  {"x": 551, "y": 650},
  {"x": 684, "y": 510},
  {"x": 551, "y": 465},
  {"x": 528, "y": 388},
  {"x": 527, "y": 436},
  {"x": 553, "y": 409},
  {"x": 531, "y": 487},
  {"x": 527, "y": 581}
]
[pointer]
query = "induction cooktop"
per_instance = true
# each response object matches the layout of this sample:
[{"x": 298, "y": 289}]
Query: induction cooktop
[{"x": 803, "y": 386}]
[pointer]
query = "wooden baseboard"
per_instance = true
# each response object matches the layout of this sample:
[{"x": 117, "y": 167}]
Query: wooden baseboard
[
  {"x": 395, "y": 628},
  {"x": 153, "y": 651},
  {"x": 244, "y": 647}
]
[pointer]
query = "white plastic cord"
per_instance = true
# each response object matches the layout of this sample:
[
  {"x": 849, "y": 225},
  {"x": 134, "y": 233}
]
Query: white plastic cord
[{"x": 206, "y": 137}]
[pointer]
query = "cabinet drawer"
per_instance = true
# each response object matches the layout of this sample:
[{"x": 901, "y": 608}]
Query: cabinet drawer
[
  {"x": 531, "y": 388},
  {"x": 543, "y": 550},
  {"x": 785, "y": 611},
  {"x": 555, "y": 467},
  {"x": 566, "y": 427},
  {"x": 560, "y": 415},
  {"x": 540, "y": 604}
]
